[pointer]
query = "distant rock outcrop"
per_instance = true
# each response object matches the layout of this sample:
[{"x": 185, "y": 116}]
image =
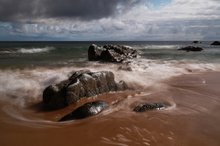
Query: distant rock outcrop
[
  {"x": 111, "y": 53},
  {"x": 216, "y": 43},
  {"x": 197, "y": 42},
  {"x": 80, "y": 85},
  {"x": 86, "y": 110},
  {"x": 191, "y": 48}
]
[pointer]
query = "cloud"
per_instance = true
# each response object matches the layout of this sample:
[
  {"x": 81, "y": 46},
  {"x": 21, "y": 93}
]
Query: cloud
[
  {"x": 17, "y": 10},
  {"x": 122, "y": 20}
]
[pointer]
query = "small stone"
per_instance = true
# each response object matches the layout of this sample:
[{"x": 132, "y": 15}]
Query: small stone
[{"x": 149, "y": 106}]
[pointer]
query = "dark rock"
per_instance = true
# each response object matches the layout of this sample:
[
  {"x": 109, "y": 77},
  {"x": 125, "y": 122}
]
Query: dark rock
[
  {"x": 94, "y": 52},
  {"x": 111, "y": 53},
  {"x": 112, "y": 56},
  {"x": 191, "y": 48},
  {"x": 51, "y": 97},
  {"x": 197, "y": 42},
  {"x": 216, "y": 43},
  {"x": 80, "y": 85},
  {"x": 149, "y": 106},
  {"x": 86, "y": 110}
]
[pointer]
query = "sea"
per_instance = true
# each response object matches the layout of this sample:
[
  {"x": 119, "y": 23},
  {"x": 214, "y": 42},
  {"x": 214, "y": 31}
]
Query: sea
[{"x": 188, "y": 81}]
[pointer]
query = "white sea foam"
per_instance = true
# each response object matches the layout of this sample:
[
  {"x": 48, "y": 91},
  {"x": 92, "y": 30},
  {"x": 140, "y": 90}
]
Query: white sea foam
[
  {"x": 159, "y": 47},
  {"x": 21, "y": 87},
  {"x": 26, "y": 86},
  {"x": 5, "y": 52},
  {"x": 27, "y": 50},
  {"x": 34, "y": 50},
  {"x": 149, "y": 72}
]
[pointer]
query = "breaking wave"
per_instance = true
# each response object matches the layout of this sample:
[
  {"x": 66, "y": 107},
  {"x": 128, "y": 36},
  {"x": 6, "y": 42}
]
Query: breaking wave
[
  {"x": 35, "y": 50},
  {"x": 159, "y": 47},
  {"x": 23, "y": 86},
  {"x": 21, "y": 89},
  {"x": 27, "y": 50}
]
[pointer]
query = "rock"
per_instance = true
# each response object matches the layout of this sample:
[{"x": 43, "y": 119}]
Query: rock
[
  {"x": 149, "y": 106},
  {"x": 197, "y": 42},
  {"x": 52, "y": 96},
  {"x": 215, "y": 43},
  {"x": 111, "y": 53},
  {"x": 94, "y": 52},
  {"x": 81, "y": 84},
  {"x": 191, "y": 48},
  {"x": 86, "y": 110}
]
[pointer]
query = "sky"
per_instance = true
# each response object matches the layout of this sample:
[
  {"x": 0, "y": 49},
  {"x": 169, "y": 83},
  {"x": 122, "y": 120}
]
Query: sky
[{"x": 109, "y": 20}]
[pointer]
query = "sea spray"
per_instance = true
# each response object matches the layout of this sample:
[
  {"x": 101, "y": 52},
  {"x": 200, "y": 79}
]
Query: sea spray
[{"x": 22, "y": 86}]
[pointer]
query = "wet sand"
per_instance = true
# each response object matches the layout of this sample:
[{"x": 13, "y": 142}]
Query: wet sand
[{"x": 192, "y": 119}]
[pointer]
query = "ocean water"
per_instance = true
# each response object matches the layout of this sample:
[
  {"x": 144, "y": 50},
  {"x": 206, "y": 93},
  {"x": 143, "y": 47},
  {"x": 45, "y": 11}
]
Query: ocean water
[
  {"x": 27, "y": 68},
  {"x": 26, "y": 54},
  {"x": 35, "y": 65}
]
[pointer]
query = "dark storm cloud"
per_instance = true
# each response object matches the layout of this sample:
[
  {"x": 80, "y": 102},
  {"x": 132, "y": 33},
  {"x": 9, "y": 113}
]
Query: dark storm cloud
[{"x": 15, "y": 10}]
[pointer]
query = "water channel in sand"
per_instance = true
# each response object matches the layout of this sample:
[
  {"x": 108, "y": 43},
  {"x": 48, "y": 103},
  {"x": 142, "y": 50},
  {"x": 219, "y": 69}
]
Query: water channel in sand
[{"x": 192, "y": 119}]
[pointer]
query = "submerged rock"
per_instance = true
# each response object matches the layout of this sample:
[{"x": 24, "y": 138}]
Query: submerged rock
[
  {"x": 86, "y": 110},
  {"x": 216, "y": 43},
  {"x": 111, "y": 53},
  {"x": 81, "y": 84},
  {"x": 191, "y": 48},
  {"x": 149, "y": 106}
]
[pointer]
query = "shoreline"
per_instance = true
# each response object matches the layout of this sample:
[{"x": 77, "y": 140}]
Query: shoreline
[{"x": 192, "y": 121}]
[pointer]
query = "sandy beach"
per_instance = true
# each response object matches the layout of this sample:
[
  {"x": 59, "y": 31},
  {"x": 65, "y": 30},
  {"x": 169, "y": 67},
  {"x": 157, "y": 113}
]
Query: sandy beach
[
  {"x": 192, "y": 119},
  {"x": 109, "y": 72}
]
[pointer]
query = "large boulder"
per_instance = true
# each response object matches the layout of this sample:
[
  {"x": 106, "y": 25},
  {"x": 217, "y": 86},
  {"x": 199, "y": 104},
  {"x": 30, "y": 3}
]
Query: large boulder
[
  {"x": 191, "y": 48},
  {"x": 111, "y": 53},
  {"x": 80, "y": 85},
  {"x": 216, "y": 43},
  {"x": 86, "y": 110}
]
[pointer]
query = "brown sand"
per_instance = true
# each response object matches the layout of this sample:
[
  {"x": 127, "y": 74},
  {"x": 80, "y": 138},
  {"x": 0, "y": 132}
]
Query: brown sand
[{"x": 192, "y": 120}]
